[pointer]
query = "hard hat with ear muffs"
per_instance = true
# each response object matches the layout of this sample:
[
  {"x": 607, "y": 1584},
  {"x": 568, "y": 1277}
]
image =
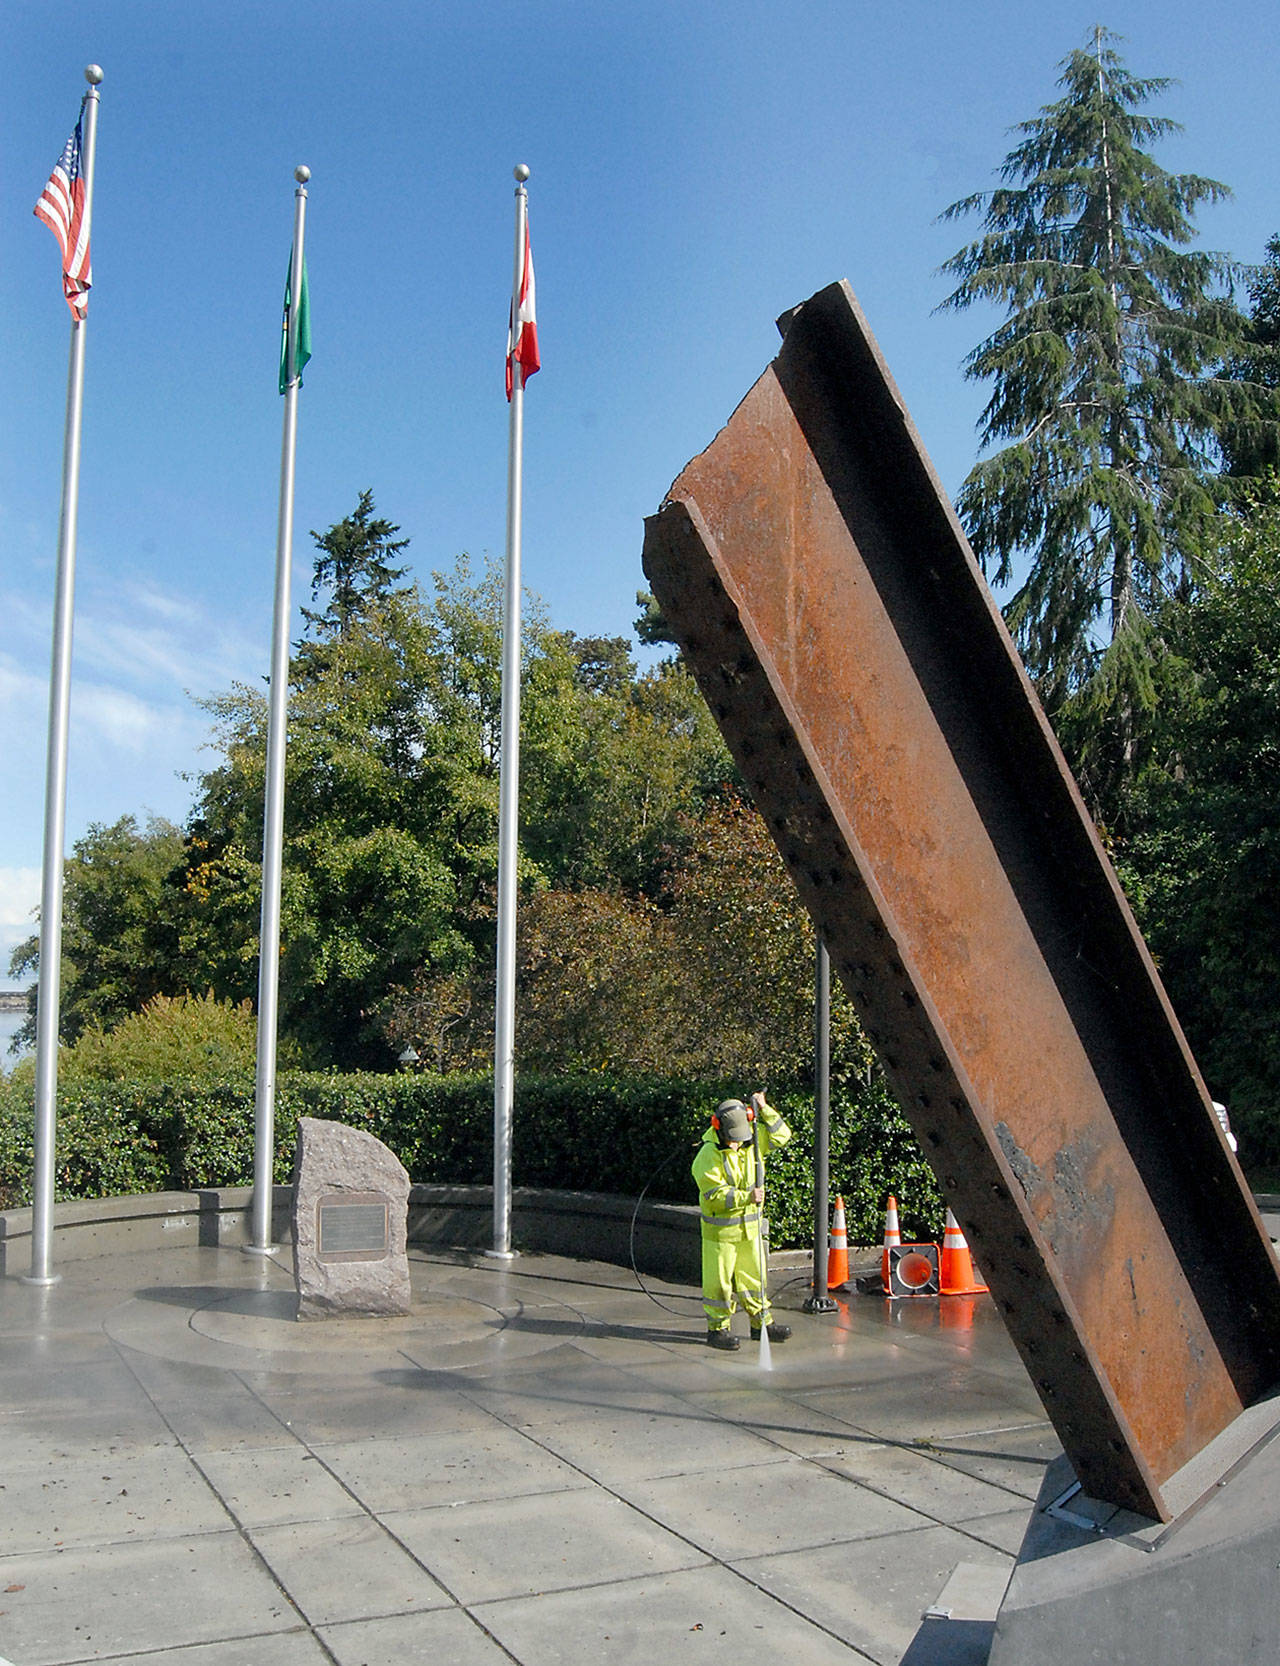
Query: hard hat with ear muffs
[{"x": 732, "y": 1122}]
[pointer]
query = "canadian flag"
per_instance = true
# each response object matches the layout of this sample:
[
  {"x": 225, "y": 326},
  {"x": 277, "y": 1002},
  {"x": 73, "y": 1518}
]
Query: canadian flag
[{"x": 522, "y": 331}]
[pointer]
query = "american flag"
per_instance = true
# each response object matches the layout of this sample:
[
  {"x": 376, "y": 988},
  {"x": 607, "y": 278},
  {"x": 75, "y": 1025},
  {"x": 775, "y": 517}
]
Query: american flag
[
  {"x": 61, "y": 207},
  {"x": 522, "y": 332}
]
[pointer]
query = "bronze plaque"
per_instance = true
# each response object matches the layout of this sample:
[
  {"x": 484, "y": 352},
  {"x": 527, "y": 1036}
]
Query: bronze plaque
[{"x": 352, "y": 1226}]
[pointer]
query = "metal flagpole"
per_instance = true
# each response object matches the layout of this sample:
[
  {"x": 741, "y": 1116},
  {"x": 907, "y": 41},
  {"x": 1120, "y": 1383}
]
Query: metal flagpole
[
  {"x": 819, "y": 1300},
  {"x": 49, "y": 990},
  {"x": 264, "y": 1120},
  {"x": 509, "y": 773}
]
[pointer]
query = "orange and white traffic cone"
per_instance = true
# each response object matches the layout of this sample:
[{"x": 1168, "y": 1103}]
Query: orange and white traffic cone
[
  {"x": 838, "y": 1248},
  {"x": 957, "y": 1277},
  {"x": 892, "y": 1239}
]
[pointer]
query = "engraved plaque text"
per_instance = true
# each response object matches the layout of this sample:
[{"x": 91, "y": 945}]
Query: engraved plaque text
[{"x": 352, "y": 1226}]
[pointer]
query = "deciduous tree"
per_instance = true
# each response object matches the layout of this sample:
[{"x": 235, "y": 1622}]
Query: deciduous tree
[{"x": 118, "y": 940}]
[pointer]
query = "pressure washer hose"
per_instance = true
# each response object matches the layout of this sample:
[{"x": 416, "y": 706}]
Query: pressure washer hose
[
  {"x": 657, "y": 1174},
  {"x": 635, "y": 1215}
]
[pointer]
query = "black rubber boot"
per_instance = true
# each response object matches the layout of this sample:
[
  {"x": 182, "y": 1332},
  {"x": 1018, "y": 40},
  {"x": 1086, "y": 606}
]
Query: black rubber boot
[
  {"x": 723, "y": 1339},
  {"x": 777, "y": 1333}
]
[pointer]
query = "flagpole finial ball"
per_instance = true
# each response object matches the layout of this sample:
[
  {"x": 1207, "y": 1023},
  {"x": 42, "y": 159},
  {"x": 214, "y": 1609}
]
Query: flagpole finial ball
[
  {"x": 521, "y": 172},
  {"x": 93, "y": 75},
  {"x": 302, "y": 174}
]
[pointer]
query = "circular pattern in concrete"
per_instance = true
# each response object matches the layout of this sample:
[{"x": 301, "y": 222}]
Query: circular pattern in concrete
[{"x": 253, "y": 1328}]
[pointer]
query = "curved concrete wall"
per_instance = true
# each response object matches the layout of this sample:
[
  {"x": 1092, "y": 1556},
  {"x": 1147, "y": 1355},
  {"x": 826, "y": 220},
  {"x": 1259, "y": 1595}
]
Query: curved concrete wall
[{"x": 592, "y": 1225}]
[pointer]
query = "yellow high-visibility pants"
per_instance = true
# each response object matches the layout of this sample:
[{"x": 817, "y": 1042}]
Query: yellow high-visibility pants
[{"x": 733, "y": 1268}]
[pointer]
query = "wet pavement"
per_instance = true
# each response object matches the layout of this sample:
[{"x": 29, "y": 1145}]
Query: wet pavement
[{"x": 541, "y": 1464}]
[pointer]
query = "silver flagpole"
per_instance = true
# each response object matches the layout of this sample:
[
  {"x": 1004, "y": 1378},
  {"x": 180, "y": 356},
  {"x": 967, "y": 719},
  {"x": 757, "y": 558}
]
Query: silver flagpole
[
  {"x": 509, "y": 776},
  {"x": 264, "y": 1120},
  {"x": 49, "y": 992}
]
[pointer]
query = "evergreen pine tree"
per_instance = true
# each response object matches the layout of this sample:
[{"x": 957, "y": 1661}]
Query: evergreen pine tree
[
  {"x": 1110, "y": 384},
  {"x": 354, "y": 566},
  {"x": 1254, "y": 449}
]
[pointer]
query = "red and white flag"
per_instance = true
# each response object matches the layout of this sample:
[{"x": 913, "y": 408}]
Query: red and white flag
[
  {"x": 61, "y": 207},
  {"x": 522, "y": 331}
]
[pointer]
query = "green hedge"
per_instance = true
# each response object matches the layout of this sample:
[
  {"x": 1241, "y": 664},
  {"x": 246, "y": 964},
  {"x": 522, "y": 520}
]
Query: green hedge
[{"x": 596, "y": 1133}]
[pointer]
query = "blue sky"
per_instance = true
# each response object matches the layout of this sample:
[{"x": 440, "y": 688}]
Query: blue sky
[{"x": 697, "y": 169}]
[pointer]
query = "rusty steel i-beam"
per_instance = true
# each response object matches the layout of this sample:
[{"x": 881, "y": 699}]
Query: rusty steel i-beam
[{"x": 823, "y": 593}]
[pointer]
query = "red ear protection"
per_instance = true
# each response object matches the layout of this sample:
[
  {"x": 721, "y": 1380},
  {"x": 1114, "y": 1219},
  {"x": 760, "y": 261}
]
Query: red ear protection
[{"x": 715, "y": 1120}]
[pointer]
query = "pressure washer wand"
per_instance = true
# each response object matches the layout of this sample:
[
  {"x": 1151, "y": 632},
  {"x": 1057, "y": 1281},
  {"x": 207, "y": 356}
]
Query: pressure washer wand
[{"x": 766, "y": 1361}]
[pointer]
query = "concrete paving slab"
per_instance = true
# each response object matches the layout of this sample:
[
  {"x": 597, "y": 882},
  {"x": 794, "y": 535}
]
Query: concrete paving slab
[
  {"x": 34, "y": 1433},
  {"x": 707, "y": 1614},
  {"x": 498, "y": 1344},
  {"x": 276, "y": 1484},
  {"x": 177, "y": 1379},
  {"x": 920, "y": 1480},
  {"x": 629, "y": 1346},
  {"x": 934, "y": 1408},
  {"x": 351, "y": 1569},
  {"x": 383, "y": 1405},
  {"x": 669, "y": 1315},
  {"x": 870, "y": 1593},
  {"x": 513, "y": 1454},
  {"x": 548, "y": 1544},
  {"x": 866, "y": 1360},
  {"x": 1003, "y": 1531},
  {"x": 783, "y": 1420},
  {"x": 228, "y": 1417},
  {"x": 786, "y": 1505},
  {"x": 700, "y": 1370},
  {"x": 98, "y": 1388},
  {"x": 800, "y": 1371},
  {"x": 442, "y": 1637},
  {"x": 103, "y": 1500},
  {"x": 288, "y": 1648},
  {"x": 1014, "y": 1458},
  {"x": 615, "y": 1445},
  {"x": 560, "y": 1392},
  {"x": 31, "y": 1340},
  {"x": 446, "y": 1469},
  {"x": 83, "y": 1603},
  {"x": 974, "y": 1591}
]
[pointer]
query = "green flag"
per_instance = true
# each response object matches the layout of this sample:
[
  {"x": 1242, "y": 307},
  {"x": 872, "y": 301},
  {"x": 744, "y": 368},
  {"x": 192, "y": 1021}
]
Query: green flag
[{"x": 302, "y": 333}]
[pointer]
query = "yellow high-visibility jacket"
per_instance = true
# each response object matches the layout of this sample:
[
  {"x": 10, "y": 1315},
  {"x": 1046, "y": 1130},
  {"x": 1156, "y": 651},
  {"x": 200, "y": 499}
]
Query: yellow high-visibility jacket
[{"x": 726, "y": 1178}]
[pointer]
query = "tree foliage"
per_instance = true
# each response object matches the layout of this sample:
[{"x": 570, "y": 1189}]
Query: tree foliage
[
  {"x": 116, "y": 953},
  {"x": 185, "y": 1037},
  {"x": 1109, "y": 382},
  {"x": 353, "y": 574},
  {"x": 1253, "y": 448},
  {"x": 391, "y": 809},
  {"x": 1201, "y": 853},
  {"x": 714, "y": 978}
]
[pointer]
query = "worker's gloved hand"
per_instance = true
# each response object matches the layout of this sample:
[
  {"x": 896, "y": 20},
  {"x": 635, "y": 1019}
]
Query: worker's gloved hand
[
  {"x": 757, "y": 1194},
  {"x": 763, "y": 1109}
]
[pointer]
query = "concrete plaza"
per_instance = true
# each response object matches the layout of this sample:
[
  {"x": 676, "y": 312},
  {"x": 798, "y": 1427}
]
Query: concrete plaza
[{"x": 539, "y": 1465}]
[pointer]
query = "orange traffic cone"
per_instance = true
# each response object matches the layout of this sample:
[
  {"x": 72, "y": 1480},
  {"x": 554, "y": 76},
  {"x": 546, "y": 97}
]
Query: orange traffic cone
[
  {"x": 892, "y": 1239},
  {"x": 957, "y": 1275},
  {"x": 838, "y": 1248}
]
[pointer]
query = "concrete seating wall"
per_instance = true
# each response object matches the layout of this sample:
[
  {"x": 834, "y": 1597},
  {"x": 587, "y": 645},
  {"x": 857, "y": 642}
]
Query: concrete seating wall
[{"x": 590, "y": 1225}]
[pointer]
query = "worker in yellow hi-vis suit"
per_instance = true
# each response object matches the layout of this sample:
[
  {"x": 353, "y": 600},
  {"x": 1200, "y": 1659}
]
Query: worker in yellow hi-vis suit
[{"x": 732, "y": 1205}]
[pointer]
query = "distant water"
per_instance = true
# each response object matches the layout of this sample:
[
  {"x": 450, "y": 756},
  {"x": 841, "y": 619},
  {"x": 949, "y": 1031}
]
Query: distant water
[{"x": 10, "y": 1024}]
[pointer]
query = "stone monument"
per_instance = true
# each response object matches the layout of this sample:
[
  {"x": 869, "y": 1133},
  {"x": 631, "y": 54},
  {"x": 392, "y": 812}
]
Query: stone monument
[{"x": 350, "y": 1212}]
